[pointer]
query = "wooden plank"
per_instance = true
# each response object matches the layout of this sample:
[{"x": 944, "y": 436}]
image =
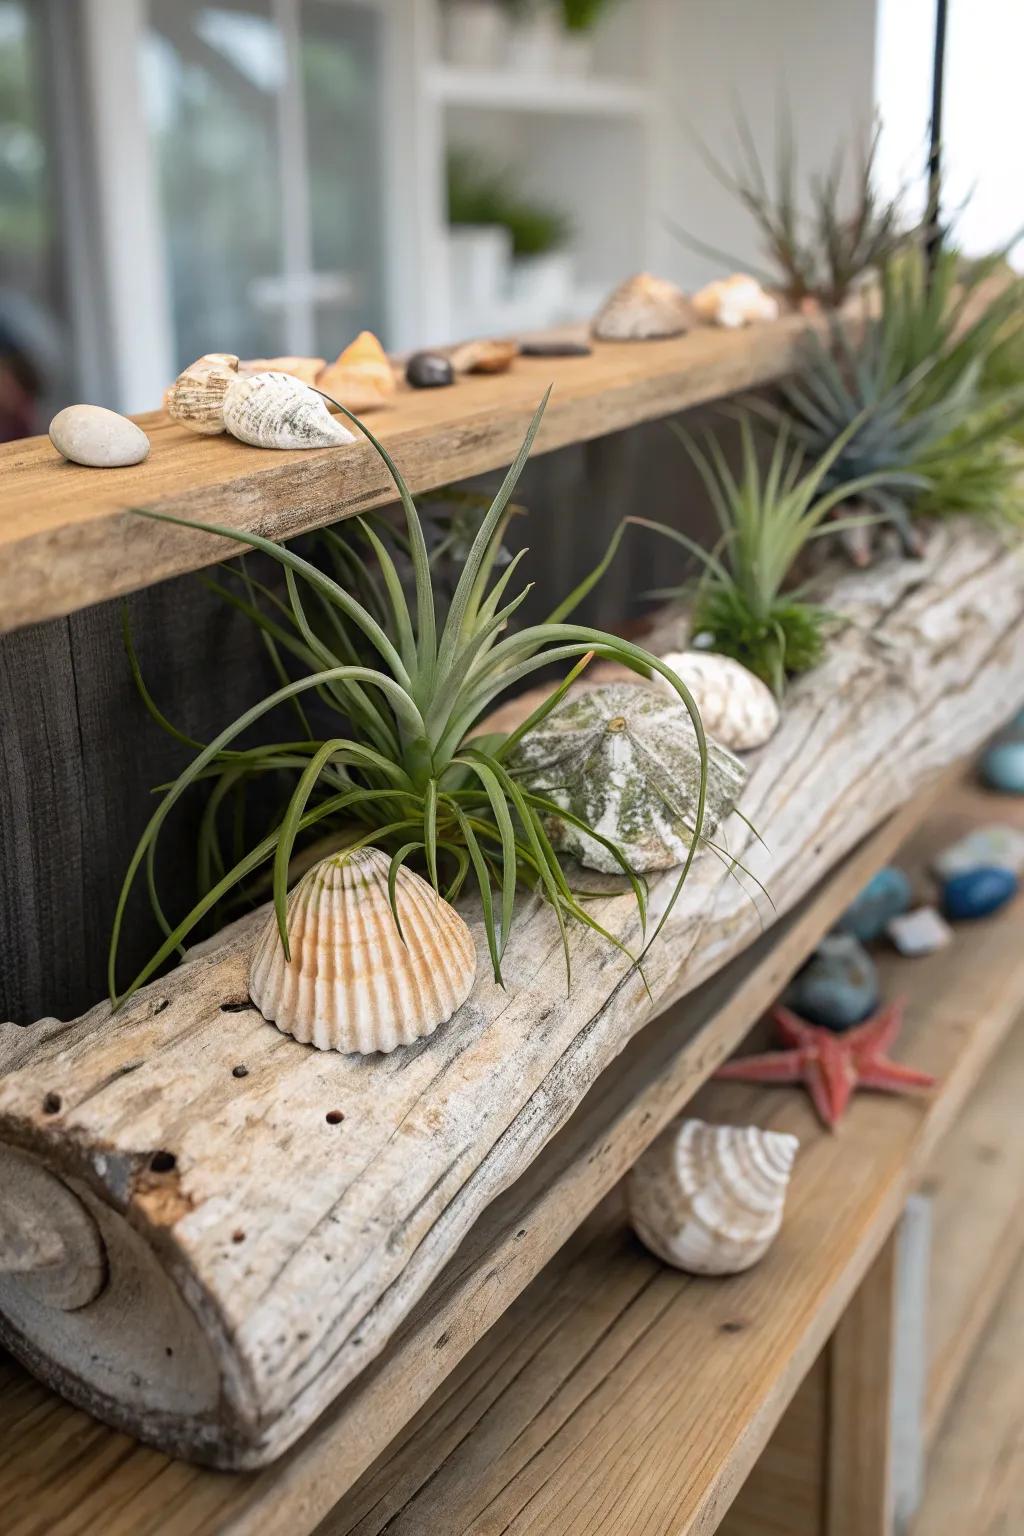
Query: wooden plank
[
  {"x": 859, "y": 1480},
  {"x": 978, "y": 1219},
  {"x": 976, "y": 1471},
  {"x": 785, "y": 1492},
  {"x": 852, "y": 1188},
  {"x": 617, "y": 1395},
  {"x": 430, "y": 1137},
  {"x": 66, "y": 539}
]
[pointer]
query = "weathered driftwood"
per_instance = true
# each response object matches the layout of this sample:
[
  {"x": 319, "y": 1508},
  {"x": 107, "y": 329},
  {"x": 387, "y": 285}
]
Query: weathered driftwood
[{"x": 258, "y": 1250}]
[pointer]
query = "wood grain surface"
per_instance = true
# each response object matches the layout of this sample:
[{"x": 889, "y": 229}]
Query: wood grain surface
[
  {"x": 328, "y": 1266},
  {"x": 68, "y": 540}
]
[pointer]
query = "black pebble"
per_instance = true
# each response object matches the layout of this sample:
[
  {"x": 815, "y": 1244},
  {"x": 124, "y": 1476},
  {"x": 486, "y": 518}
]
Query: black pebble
[
  {"x": 429, "y": 370},
  {"x": 555, "y": 349}
]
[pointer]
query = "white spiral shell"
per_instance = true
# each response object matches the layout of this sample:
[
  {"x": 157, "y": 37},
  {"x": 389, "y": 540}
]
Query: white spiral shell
[
  {"x": 276, "y": 410},
  {"x": 709, "y": 1198},
  {"x": 737, "y": 708},
  {"x": 351, "y": 983}
]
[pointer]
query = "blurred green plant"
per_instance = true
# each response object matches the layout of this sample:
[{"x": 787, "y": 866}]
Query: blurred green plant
[
  {"x": 407, "y": 685},
  {"x": 582, "y": 15},
  {"x": 482, "y": 193}
]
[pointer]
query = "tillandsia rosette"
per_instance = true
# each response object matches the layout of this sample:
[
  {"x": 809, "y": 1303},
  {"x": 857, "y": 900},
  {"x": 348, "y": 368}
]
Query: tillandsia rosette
[
  {"x": 625, "y": 761},
  {"x": 405, "y": 686}
]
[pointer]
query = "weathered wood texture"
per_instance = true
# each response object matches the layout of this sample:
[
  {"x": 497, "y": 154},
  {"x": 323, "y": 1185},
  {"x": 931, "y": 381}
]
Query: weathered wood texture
[
  {"x": 301, "y": 1244},
  {"x": 958, "y": 1014},
  {"x": 976, "y": 1470},
  {"x": 858, "y": 1498},
  {"x": 66, "y": 539},
  {"x": 977, "y": 1181}
]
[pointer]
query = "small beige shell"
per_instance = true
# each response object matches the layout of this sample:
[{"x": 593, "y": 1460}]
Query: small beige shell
[
  {"x": 308, "y": 369},
  {"x": 274, "y": 410},
  {"x": 196, "y": 398},
  {"x": 736, "y": 708},
  {"x": 642, "y": 309},
  {"x": 362, "y": 377},
  {"x": 709, "y": 1198},
  {"x": 735, "y": 301},
  {"x": 484, "y": 356},
  {"x": 352, "y": 984}
]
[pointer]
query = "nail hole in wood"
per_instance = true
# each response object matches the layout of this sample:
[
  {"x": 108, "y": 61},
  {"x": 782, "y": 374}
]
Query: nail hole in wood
[
  {"x": 160, "y": 1004},
  {"x": 168, "y": 1351},
  {"x": 52, "y": 1104},
  {"x": 238, "y": 1236},
  {"x": 163, "y": 1162},
  {"x": 240, "y": 1071},
  {"x": 334, "y": 1117},
  {"x": 236, "y": 1007},
  {"x": 733, "y": 1327}
]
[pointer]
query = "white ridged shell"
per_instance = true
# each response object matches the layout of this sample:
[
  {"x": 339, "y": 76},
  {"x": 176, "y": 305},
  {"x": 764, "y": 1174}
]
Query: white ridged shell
[
  {"x": 275, "y": 410},
  {"x": 737, "y": 708},
  {"x": 643, "y": 308},
  {"x": 196, "y": 398},
  {"x": 709, "y": 1198},
  {"x": 735, "y": 301},
  {"x": 351, "y": 983}
]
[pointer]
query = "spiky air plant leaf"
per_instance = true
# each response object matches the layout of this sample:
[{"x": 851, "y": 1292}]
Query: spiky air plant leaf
[
  {"x": 406, "y": 685},
  {"x": 766, "y": 517},
  {"x": 819, "y": 241}
]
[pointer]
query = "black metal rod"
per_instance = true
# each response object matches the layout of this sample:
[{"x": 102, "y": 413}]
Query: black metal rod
[{"x": 933, "y": 218}]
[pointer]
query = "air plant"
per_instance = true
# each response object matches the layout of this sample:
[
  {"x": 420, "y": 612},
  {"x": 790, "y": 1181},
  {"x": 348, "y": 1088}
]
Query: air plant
[
  {"x": 406, "y": 686},
  {"x": 820, "y": 247},
  {"x": 766, "y": 518}
]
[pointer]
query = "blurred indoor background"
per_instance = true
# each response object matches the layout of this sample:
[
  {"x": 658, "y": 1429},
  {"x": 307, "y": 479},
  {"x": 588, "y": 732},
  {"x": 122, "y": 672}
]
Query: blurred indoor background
[{"x": 268, "y": 177}]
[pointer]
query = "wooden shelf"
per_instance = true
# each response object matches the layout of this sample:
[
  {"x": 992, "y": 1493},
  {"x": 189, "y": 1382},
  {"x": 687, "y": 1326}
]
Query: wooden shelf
[
  {"x": 617, "y": 1391},
  {"x": 976, "y": 1470},
  {"x": 496, "y": 90},
  {"x": 786, "y": 1307},
  {"x": 977, "y": 1225},
  {"x": 67, "y": 540}
]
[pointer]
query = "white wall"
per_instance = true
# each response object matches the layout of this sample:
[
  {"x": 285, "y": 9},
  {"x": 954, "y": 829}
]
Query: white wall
[{"x": 815, "y": 55}]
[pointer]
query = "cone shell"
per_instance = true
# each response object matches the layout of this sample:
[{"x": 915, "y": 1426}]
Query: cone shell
[
  {"x": 362, "y": 377},
  {"x": 274, "y": 410},
  {"x": 351, "y": 983},
  {"x": 735, "y": 301},
  {"x": 737, "y": 708},
  {"x": 308, "y": 369},
  {"x": 626, "y": 761},
  {"x": 642, "y": 309},
  {"x": 709, "y": 1198},
  {"x": 196, "y": 398}
]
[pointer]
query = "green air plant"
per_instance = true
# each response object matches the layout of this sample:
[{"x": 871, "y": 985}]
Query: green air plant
[
  {"x": 819, "y": 246},
  {"x": 407, "y": 685},
  {"x": 766, "y": 517}
]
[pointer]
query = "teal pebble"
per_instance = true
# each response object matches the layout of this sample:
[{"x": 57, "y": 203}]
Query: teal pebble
[
  {"x": 977, "y": 893},
  {"x": 886, "y": 895},
  {"x": 838, "y": 987},
  {"x": 1002, "y": 767}
]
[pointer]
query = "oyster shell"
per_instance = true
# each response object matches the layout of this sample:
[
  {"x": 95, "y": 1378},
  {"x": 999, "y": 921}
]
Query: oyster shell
[
  {"x": 643, "y": 308},
  {"x": 354, "y": 983},
  {"x": 709, "y": 1198},
  {"x": 275, "y": 410},
  {"x": 735, "y": 301}
]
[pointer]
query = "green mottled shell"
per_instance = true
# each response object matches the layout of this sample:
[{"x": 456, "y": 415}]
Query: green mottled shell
[{"x": 625, "y": 760}]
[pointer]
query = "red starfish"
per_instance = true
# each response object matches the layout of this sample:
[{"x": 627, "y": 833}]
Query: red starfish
[{"x": 832, "y": 1065}]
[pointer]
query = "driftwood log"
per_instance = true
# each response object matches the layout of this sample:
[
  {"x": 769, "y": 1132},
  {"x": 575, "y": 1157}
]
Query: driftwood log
[{"x": 208, "y": 1230}]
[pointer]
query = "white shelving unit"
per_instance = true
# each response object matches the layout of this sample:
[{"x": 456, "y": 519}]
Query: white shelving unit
[{"x": 586, "y": 144}]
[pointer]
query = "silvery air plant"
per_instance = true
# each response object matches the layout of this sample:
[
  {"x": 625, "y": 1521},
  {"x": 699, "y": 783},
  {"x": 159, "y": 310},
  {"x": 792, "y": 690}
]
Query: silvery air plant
[{"x": 366, "y": 953}]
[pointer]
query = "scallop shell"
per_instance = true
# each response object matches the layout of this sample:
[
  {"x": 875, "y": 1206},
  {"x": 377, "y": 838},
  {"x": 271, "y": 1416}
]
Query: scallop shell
[
  {"x": 362, "y": 377},
  {"x": 352, "y": 984},
  {"x": 735, "y": 301},
  {"x": 618, "y": 757},
  {"x": 643, "y": 308},
  {"x": 308, "y": 369},
  {"x": 196, "y": 398},
  {"x": 737, "y": 708},
  {"x": 274, "y": 410},
  {"x": 484, "y": 356},
  {"x": 709, "y": 1198}
]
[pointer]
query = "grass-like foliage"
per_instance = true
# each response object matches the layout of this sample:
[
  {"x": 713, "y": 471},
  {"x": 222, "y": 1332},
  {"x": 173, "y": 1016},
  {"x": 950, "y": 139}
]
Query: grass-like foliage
[
  {"x": 766, "y": 516},
  {"x": 406, "y": 684},
  {"x": 821, "y": 240}
]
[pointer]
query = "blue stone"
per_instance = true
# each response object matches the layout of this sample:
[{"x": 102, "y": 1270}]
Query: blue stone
[
  {"x": 838, "y": 987},
  {"x": 977, "y": 892},
  {"x": 886, "y": 895},
  {"x": 1002, "y": 767}
]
